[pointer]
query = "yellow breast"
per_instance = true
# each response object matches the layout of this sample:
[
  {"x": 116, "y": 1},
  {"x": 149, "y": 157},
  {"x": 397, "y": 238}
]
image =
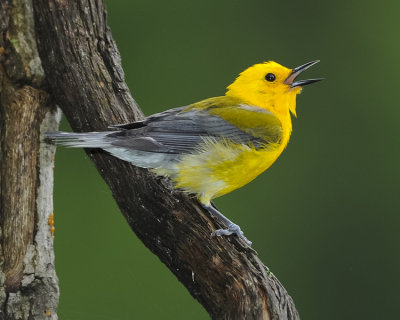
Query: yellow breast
[{"x": 221, "y": 167}]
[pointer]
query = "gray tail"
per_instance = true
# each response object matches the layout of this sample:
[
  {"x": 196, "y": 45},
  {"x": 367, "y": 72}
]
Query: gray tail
[{"x": 80, "y": 140}]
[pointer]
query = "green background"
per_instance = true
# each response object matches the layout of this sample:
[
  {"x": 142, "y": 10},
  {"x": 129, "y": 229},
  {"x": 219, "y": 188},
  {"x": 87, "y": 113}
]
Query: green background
[{"x": 325, "y": 217}]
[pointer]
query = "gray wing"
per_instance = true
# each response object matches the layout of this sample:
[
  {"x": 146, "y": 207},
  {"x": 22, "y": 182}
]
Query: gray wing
[{"x": 176, "y": 131}]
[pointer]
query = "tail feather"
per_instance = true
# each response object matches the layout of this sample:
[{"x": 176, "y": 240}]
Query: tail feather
[
  {"x": 80, "y": 140},
  {"x": 104, "y": 141}
]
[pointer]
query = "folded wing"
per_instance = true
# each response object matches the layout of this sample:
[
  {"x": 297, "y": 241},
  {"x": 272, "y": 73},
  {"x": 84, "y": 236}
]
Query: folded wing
[{"x": 182, "y": 130}]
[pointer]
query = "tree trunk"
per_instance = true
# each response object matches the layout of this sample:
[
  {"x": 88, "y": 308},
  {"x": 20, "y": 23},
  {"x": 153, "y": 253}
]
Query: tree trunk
[
  {"x": 84, "y": 77},
  {"x": 28, "y": 283}
]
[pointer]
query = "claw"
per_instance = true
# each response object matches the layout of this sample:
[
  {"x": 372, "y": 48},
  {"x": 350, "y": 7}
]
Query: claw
[{"x": 232, "y": 229}]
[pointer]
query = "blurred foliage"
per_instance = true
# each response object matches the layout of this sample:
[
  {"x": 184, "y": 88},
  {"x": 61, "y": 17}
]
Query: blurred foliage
[{"x": 325, "y": 218}]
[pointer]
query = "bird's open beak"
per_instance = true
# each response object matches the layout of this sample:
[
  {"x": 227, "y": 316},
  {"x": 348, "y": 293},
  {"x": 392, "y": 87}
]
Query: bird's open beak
[{"x": 296, "y": 71}]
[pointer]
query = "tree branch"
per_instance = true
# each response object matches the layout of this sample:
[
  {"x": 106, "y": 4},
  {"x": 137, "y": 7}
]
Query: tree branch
[
  {"x": 28, "y": 283},
  {"x": 84, "y": 74}
]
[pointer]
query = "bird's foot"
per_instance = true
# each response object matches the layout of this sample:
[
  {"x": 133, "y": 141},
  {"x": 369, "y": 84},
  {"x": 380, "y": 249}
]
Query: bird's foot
[{"x": 232, "y": 229}]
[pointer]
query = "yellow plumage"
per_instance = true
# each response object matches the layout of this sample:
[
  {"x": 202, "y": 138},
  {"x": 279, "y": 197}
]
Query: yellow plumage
[
  {"x": 214, "y": 146},
  {"x": 221, "y": 166},
  {"x": 205, "y": 174}
]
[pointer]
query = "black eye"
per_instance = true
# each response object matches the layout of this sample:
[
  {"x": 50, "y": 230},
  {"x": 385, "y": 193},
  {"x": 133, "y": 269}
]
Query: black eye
[{"x": 270, "y": 77}]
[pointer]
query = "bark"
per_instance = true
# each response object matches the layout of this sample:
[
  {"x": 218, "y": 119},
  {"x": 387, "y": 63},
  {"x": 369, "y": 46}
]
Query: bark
[
  {"x": 28, "y": 283},
  {"x": 84, "y": 76}
]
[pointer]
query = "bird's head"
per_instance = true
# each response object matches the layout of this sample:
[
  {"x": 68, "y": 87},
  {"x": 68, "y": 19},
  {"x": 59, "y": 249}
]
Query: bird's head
[{"x": 270, "y": 86}]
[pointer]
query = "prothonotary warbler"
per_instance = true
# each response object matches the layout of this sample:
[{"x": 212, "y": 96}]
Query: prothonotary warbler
[{"x": 214, "y": 146}]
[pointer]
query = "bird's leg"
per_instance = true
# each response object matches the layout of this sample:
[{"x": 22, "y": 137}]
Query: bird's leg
[{"x": 232, "y": 227}]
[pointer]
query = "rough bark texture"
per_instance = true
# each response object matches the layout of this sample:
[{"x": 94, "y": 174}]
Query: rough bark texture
[
  {"x": 28, "y": 283},
  {"x": 84, "y": 75}
]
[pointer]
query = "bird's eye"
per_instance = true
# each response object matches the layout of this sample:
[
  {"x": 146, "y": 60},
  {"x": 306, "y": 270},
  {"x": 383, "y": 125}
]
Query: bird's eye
[{"x": 270, "y": 77}]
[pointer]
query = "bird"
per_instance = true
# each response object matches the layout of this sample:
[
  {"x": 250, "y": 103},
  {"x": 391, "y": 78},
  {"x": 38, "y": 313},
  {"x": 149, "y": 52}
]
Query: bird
[{"x": 211, "y": 147}]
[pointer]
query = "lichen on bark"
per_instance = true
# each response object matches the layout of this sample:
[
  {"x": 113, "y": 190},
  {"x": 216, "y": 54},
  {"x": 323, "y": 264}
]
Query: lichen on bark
[{"x": 28, "y": 283}]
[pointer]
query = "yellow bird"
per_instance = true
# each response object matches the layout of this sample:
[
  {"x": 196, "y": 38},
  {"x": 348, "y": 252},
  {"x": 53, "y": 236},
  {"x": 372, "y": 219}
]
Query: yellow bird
[{"x": 214, "y": 146}]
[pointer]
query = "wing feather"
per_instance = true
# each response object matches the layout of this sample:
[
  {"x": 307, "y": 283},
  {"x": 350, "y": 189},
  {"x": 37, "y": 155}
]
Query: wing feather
[{"x": 182, "y": 130}]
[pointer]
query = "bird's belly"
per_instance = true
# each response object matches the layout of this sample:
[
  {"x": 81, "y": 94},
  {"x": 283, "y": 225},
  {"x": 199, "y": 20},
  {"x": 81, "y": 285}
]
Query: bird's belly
[{"x": 222, "y": 167}]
